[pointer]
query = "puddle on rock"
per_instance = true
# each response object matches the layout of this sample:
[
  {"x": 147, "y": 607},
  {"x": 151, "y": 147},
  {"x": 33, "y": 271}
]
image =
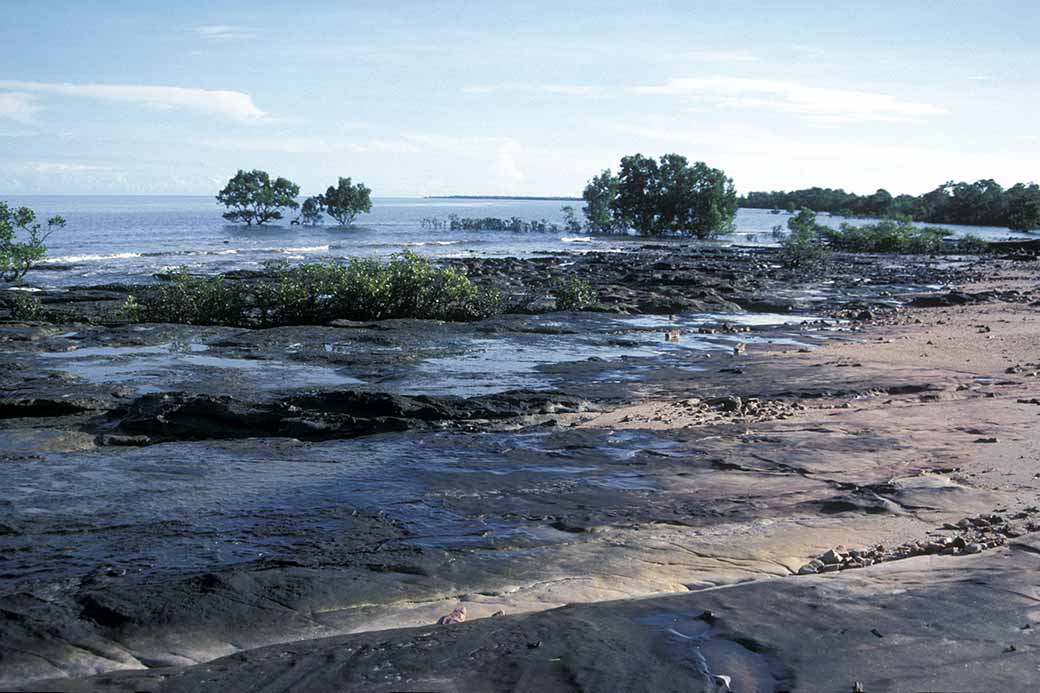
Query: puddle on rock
[{"x": 171, "y": 366}]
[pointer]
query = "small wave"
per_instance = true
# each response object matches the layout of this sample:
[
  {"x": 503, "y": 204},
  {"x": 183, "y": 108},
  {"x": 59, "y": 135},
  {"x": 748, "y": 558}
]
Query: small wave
[
  {"x": 297, "y": 249},
  {"x": 169, "y": 253},
  {"x": 87, "y": 258},
  {"x": 577, "y": 239},
  {"x": 422, "y": 243}
]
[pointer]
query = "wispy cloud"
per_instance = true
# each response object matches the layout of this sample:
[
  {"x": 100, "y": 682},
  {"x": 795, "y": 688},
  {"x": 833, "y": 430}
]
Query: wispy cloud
[
  {"x": 232, "y": 104},
  {"x": 566, "y": 89},
  {"x": 226, "y": 32},
  {"x": 831, "y": 105},
  {"x": 62, "y": 167},
  {"x": 310, "y": 145},
  {"x": 1028, "y": 138},
  {"x": 732, "y": 56},
  {"x": 18, "y": 106}
]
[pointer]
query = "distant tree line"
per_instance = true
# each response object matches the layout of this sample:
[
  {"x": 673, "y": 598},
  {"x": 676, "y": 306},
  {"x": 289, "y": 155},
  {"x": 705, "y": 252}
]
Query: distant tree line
[{"x": 982, "y": 203}]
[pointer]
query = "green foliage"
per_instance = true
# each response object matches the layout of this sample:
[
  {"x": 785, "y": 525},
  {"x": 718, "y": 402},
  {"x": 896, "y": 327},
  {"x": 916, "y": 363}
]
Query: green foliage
[
  {"x": 310, "y": 212},
  {"x": 191, "y": 300},
  {"x": 345, "y": 201},
  {"x": 807, "y": 243},
  {"x": 803, "y": 247},
  {"x": 599, "y": 195},
  {"x": 24, "y": 306},
  {"x": 888, "y": 236},
  {"x": 668, "y": 196},
  {"x": 983, "y": 203},
  {"x": 571, "y": 223},
  {"x": 1023, "y": 204},
  {"x": 17, "y": 256},
  {"x": 131, "y": 309},
  {"x": 515, "y": 224},
  {"x": 252, "y": 197},
  {"x": 971, "y": 245},
  {"x": 406, "y": 286},
  {"x": 574, "y": 294}
]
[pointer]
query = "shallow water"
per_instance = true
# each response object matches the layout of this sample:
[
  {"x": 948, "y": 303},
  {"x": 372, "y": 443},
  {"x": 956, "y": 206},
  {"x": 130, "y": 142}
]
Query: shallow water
[
  {"x": 122, "y": 238},
  {"x": 202, "y": 506},
  {"x": 525, "y": 354}
]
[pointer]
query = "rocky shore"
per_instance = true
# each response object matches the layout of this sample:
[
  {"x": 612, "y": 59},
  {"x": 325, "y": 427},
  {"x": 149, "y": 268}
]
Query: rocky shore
[{"x": 297, "y": 507}]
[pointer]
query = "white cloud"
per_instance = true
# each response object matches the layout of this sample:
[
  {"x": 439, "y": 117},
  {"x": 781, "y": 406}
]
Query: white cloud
[
  {"x": 763, "y": 159},
  {"x": 62, "y": 167},
  {"x": 18, "y": 106},
  {"x": 566, "y": 89},
  {"x": 310, "y": 145},
  {"x": 830, "y": 105},
  {"x": 1028, "y": 138},
  {"x": 232, "y": 104},
  {"x": 225, "y": 32},
  {"x": 734, "y": 56}
]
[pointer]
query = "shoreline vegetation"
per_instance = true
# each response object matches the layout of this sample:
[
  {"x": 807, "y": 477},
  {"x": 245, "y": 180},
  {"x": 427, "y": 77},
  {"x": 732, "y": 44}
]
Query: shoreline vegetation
[
  {"x": 406, "y": 286},
  {"x": 982, "y": 203},
  {"x": 808, "y": 242}
]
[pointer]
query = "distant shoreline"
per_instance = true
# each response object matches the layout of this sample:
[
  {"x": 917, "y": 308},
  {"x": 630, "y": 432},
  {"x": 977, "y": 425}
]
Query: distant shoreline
[{"x": 501, "y": 197}]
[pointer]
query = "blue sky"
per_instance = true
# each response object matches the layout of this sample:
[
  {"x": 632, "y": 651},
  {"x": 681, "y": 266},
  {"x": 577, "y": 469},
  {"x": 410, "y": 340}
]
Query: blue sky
[{"x": 420, "y": 98}]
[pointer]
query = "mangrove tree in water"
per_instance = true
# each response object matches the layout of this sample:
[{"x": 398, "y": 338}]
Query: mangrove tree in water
[
  {"x": 345, "y": 201},
  {"x": 252, "y": 197},
  {"x": 657, "y": 197}
]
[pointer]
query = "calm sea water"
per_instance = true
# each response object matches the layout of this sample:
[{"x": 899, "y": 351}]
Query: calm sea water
[{"x": 116, "y": 238}]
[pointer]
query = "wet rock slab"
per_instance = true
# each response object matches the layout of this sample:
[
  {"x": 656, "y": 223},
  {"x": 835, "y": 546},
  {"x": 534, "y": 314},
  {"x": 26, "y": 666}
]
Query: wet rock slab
[{"x": 964, "y": 623}]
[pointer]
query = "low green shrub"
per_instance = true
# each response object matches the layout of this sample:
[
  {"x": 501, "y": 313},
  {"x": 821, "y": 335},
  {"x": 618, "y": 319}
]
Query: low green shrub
[
  {"x": 405, "y": 286},
  {"x": 803, "y": 247},
  {"x": 971, "y": 245},
  {"x": 887, "y": 236},
  {"x": 574, "y": 294},
  {"x": 24, "y": 306},
  {"x": 808, "y": 241}
]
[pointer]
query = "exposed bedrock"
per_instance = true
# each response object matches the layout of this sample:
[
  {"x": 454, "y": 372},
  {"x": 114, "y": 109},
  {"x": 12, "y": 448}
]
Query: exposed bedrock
[
  {"x": 926, "y": 623},
  {"x": 327, "y": 414}
]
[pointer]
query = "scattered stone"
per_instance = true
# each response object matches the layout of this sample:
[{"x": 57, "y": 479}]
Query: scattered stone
[
  {"x": 811, "y": 567},
  {"x": 456, "y": 616},
  {"x": 834, "y": 556},
  {"x": 721, "y": 683},
  {"x": 123, "y": 440}
]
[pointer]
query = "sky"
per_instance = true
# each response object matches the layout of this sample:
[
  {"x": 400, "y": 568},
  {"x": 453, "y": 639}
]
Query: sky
[{"x": 523, "y": 98}]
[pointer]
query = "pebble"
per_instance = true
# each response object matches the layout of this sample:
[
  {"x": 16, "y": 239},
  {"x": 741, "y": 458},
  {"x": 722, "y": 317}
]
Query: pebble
[{"x": 458, "y": 615}]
